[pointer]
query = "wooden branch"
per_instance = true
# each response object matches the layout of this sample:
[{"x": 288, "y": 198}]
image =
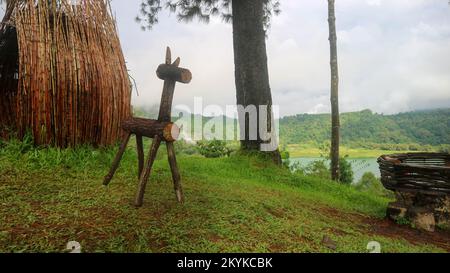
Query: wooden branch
[
  {"x": 116, "y": 162},
  {"x": 174, "y": 73},
  {"x": 140, "y": 152},
  {"x": 165, "y": 108},
  {"x": 148, "y": 169},
  {"x": 177, "y": 62},
  {"x": 168, "y": 131},
  {"x": 175, "y": 172},
  {"x": 168, "y": 55}
]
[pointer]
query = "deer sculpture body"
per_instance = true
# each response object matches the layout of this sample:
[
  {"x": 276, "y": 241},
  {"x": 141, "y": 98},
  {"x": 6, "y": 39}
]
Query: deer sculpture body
[{"x": 162, "y": 129}]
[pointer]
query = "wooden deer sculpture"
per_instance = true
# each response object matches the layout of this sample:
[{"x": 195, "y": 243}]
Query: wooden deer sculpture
[{"x": 162, "y": 129}]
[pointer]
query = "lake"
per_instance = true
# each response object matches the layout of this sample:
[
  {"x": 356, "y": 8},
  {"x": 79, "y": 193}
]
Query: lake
[{"x": 359, "y": 165}]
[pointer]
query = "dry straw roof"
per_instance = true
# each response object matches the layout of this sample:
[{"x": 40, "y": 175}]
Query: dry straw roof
[{"x": 70, "y": 85}]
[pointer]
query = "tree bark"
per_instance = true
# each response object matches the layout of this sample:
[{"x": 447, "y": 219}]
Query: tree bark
[
  {"x": 251, "y": 71},
  {"x": 335, "y": 120}
]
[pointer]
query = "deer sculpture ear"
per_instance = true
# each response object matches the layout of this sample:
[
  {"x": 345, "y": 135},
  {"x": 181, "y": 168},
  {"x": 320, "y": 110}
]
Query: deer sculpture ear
[
  {"x": 168, "y": 56},
  {"x": 177, "y": 62}
]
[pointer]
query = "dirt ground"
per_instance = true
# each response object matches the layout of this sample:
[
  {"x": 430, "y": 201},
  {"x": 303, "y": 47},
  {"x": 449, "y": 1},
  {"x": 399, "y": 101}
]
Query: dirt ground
[{"x": 390, "y": 229}]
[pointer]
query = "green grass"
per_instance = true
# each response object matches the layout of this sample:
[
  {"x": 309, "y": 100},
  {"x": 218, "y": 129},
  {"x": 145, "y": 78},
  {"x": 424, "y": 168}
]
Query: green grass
[
  {"x": 238, "y": 204},
  {"x": 297, "y": 150}
]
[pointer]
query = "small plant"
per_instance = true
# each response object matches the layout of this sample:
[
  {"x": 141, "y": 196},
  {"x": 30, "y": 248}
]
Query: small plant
[
  {"x": 286, "y": 157},
  {"x": 346, "y": 171},
  {"x": 370, "y": 183},
  {"x": 403, "y": 221},
  {"x": 213, "y": 149},
  {"x": 182, "y": 147},
  {"x": 318, "y": 168},
  {"x": 16, "y": 146},
  {"x": 345, "y": 167},
  {"x": 441, "y": 226}
]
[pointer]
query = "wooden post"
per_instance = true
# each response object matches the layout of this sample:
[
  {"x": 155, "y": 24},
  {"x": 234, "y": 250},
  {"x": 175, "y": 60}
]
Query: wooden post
[
  {"x": 175, "y": 172},
  {"x": 116, "y": 161},
  {"x": 146, "y": 174},
  {"x": 140, "y": 153},
  {"x": 160, "y": 130}
]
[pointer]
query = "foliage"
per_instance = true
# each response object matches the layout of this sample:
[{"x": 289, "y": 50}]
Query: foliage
[
  {"x": 406, "y": 131},
  {"x": 403, "y": 221},
  {"x": 346, "y": 171},
  {"x": 214, "y": 148},
  {"x": 203, "y": 10},
  {"x": 318, "y": 168},
  {"x": 345, "y": 167},
  {"x": 309, "y": 134},
  {"x": 321, "y": 169},
  {"x": 285, "y": 155},
  {"x": 371, "y": 184},
  {"x": 183, "y": 147}
]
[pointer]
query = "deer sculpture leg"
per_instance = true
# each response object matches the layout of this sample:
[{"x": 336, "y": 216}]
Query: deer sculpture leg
[
  {"x": 116, "y": 162},
  {"x": 147, "y": 171},
  {"x": 140, "y": 153},
  {"x": 175, "y": 173}
]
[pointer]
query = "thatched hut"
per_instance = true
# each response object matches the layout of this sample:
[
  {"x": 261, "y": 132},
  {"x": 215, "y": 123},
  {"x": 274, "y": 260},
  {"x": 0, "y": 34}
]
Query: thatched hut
[{"x": 62, "y": 72}]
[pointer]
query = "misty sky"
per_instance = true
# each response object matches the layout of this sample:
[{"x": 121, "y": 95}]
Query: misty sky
[{"x": 394, "y": 55}]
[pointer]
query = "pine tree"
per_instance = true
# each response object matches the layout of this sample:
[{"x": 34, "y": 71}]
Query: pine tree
[{"x": 250, "y": 19}]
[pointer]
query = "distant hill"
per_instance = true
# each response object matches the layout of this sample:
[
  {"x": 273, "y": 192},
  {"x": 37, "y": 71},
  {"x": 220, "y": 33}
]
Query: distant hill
[
  {"x": 359, "y": 129},
  {"x": 431, "y": 127}
]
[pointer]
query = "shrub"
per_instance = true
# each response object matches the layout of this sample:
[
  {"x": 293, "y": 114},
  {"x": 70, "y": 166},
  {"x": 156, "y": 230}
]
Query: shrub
[
  {"x": 370, "y": 183},
  {"x": 346, "y": 171},
  {"x": 213, "y": 149},
  {"x": 285, "y": 155},
  {"x": 182, "y": 147},
  {"x": 321, "y": 169},
  {"x": 318, "y": 168}
]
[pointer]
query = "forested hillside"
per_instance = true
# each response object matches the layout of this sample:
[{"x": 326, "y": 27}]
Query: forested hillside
[{"x": 365, "y": 128}]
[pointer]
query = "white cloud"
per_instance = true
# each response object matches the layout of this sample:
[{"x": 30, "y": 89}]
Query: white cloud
[
  {"x": 393, "y": 55},
  {"x": 374, "y": 2}
]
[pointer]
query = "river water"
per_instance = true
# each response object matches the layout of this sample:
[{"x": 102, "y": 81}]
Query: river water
[{"x": 359, "y": 165}]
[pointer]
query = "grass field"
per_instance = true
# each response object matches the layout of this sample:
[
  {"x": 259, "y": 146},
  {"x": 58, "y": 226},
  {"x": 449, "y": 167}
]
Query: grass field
[
  {"x": 238, "y": 204},
  {"x": 296, "y": 150}
]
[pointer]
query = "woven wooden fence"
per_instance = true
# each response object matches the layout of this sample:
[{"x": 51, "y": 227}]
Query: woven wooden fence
[
  {"x": 72, "y": 85},
  {"x": 416, "y": 172}
]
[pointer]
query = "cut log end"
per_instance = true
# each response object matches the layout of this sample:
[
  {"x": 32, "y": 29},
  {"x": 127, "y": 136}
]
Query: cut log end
[
  {"x": 174, "y": 73},
  {"x": 171, "y": 132}
]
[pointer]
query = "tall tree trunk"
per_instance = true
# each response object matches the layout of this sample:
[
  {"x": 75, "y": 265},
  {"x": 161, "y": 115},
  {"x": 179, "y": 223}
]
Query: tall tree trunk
[
  {"x": 335, "y": 122},
  {"x": 251, "y": 71}
]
